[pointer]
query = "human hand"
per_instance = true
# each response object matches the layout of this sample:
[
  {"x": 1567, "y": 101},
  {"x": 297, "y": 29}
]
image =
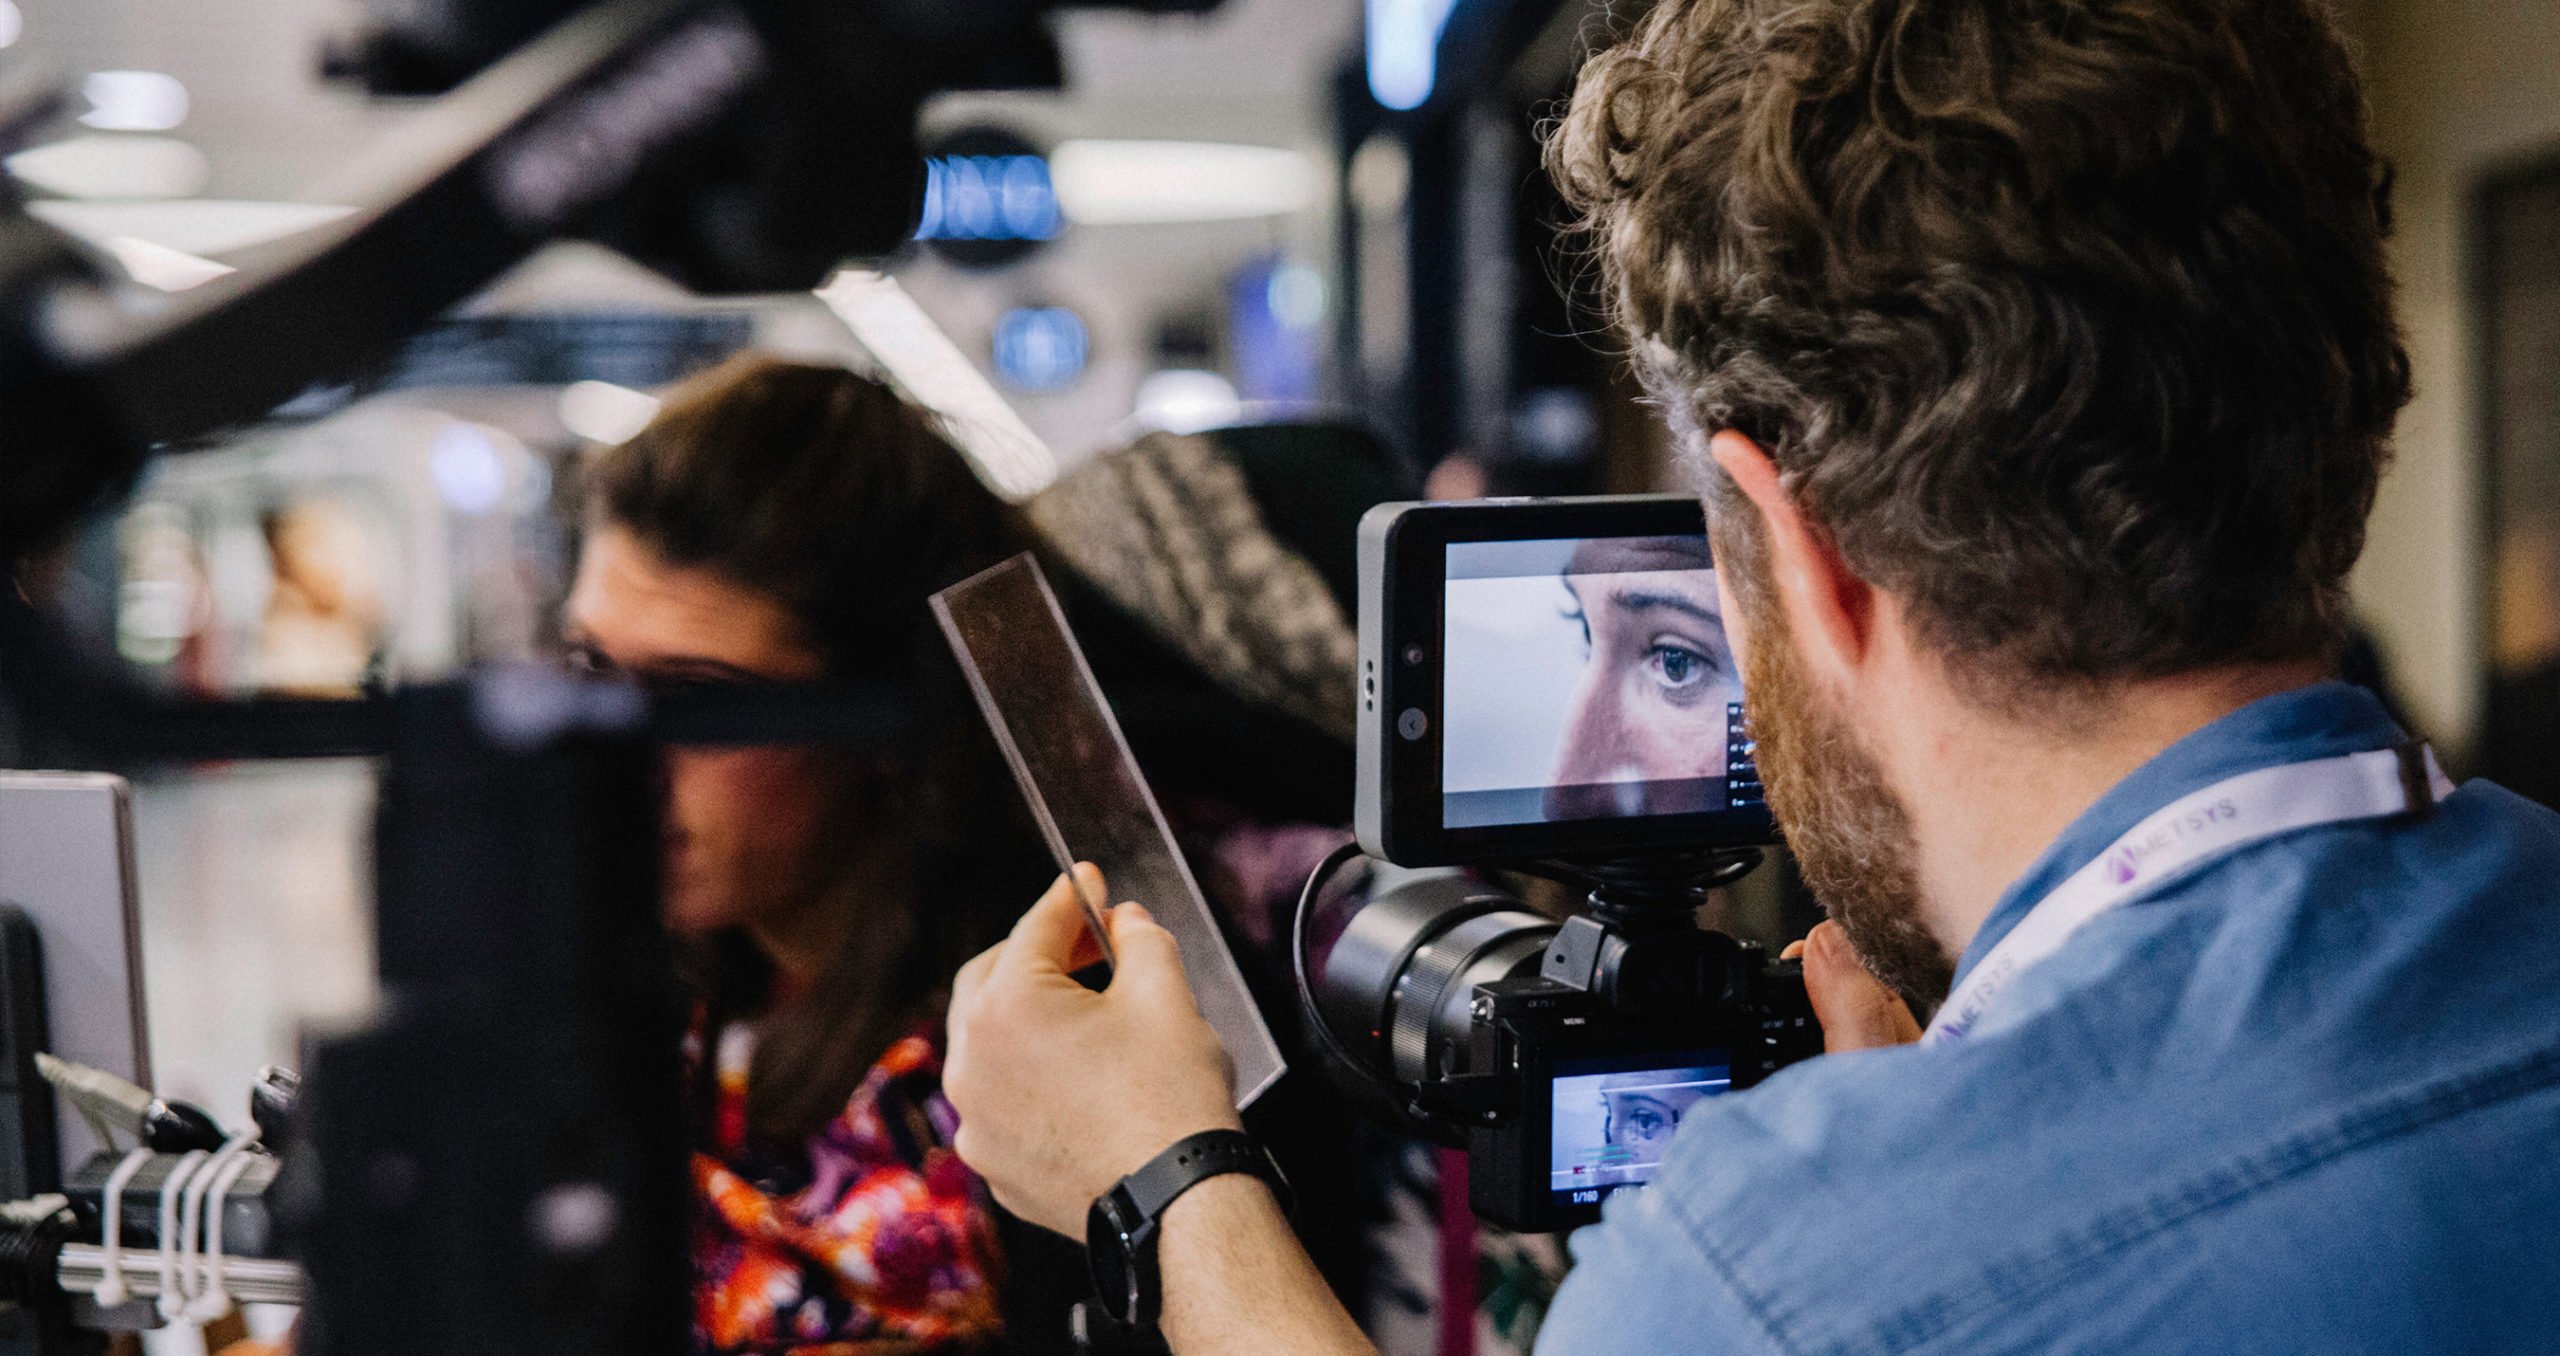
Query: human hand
[
  {"x": 1856, "y": 1010},
  {"x": 1063, "y": 1091}
]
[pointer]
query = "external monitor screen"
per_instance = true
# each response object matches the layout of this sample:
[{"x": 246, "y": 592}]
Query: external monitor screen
[
  {"x": 1589, "y": 678},
  {"x": 1611, "y": 1122}
]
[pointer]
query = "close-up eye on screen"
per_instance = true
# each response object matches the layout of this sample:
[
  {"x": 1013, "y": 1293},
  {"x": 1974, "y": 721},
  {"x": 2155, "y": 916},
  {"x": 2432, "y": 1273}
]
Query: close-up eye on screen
[
  {"x": 1610, "y": 1124},
  {"x": 1589, "y": 678}
]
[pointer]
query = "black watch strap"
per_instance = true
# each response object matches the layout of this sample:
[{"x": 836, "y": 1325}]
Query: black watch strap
[
  {"x": 1121, "y": 1229},
  {"x": 1196, "y": 1159}
]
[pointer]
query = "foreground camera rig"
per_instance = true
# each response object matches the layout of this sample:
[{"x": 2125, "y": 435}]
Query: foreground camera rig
[
  {"x": 1546, "y": 687},
  {"x": 498, "y": 1157},
  {"x": 1449, "y": 1006}
]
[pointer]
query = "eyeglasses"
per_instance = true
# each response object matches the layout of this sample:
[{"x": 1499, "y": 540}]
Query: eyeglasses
[{"x": 585, "y": 660}]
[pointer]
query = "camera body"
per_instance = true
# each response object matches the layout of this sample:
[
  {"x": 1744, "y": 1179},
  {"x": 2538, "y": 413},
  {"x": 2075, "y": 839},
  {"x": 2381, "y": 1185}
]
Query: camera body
[
  {"x": 1559, "y": 1055},
  {"x": 1546, "y": 688},
  {"x": 1566, "y": 1049}
]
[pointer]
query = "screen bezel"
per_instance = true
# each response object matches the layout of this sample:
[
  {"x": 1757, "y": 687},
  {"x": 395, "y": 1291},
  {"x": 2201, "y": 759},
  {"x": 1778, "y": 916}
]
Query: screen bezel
[{"x": 1414, "y": 613}]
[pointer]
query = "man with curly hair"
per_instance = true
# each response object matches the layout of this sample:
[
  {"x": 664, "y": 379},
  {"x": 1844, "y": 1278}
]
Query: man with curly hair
[{"x": 2036, "y": 362}]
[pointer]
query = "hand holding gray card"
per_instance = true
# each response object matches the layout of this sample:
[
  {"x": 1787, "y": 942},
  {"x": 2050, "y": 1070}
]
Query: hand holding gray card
[{"x": 1084, "y": 788}]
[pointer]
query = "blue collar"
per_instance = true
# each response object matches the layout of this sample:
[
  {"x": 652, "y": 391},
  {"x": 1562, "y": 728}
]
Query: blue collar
[{"x": 2320, "y": 721}]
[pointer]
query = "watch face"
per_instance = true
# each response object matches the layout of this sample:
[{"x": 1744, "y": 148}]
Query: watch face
[{"x": 1111, "y": 1259}]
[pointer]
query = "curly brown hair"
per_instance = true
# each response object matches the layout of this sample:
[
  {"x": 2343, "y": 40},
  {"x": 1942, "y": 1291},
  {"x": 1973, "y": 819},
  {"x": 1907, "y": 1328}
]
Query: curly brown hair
[{"x": 2067, "y": 319}]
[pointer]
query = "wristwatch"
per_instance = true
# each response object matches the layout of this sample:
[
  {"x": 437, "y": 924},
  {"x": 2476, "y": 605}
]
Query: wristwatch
[{"x": 1120, "y": 1230}]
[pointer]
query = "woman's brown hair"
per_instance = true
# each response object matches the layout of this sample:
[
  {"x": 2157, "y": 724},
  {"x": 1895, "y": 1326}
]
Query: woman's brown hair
[{"x": 827, "y": 492}]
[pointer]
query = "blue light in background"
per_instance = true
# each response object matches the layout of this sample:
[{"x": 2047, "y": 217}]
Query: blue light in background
[
  {"x": 1275, "y": 315},
  {"x": 1039, "y": 348},
  {"x": 1404, "y": 49},
  {"x": 467, "y": 467},
  {"x": 988, "y": 197}
]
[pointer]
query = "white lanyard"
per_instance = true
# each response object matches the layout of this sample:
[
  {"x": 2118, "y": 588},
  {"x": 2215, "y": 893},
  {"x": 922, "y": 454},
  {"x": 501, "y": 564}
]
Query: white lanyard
[{"x": 2186, "y": 833}]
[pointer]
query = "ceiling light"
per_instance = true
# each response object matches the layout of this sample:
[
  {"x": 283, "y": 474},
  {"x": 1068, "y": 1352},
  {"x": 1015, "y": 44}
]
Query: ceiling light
[
  {"x": 1404, "y": 49},
  {"x": 113, "y": 167},
  {"x": 12, "y": 23},
  {"x": 159, "y": 266},
  {"x": 1112, "y": 183},
  {"x": 988, "y": 197},
  {"x": 1556, "y": 424},
  {"x": 134, "y": 101},
  {"x": 1040, "y": 348},
  {"x": 1187, "y": 400},
  {"x": 602, "y": 412},
  {"x": 1296, "y": 296}
]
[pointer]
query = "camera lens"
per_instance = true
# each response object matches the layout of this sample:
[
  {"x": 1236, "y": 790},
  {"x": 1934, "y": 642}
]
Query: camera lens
[{"x": 1399, "y": 983}]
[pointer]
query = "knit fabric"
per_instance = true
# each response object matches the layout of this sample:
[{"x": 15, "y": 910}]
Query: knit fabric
[{"x": 1168, "y": 530}]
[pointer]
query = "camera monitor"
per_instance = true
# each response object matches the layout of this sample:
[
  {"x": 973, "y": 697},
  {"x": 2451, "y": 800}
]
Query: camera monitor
[
  {"x": 1547, "y": 678},
  {"x": 1611, "y": 1118}
]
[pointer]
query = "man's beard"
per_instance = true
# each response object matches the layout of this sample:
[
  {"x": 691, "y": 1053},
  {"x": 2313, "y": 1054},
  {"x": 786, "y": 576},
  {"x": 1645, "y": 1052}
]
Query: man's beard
[{"x": 1849, "y": 832}]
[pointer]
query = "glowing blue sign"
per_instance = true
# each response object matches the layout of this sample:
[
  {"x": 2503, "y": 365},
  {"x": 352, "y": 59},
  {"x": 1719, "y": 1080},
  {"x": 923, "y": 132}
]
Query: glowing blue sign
[
  {"x": 1039, "y": 348},
  {"x": 988, "y": 197},
  {"x": 1404, "y": 49}
]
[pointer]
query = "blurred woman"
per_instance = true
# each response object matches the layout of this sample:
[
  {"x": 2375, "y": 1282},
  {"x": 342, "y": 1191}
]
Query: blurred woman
[
  {"x": 780, "y": 523},
  {"x": 784, "y": 523}
]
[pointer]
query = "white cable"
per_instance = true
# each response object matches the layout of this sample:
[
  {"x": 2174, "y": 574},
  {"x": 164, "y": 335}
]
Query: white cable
[
  {"x": 190, "y": 1220},
  {"x": 110, "y": 1290},
  {"x": 210, "y": 1300},
  {"x": 213, "y": 1299},
  {"x": 172, "y": 1303}
]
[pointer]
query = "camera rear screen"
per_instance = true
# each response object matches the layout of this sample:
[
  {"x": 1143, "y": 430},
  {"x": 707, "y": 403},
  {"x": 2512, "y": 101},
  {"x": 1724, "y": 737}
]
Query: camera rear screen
[
  {"x": 1588, "y": 678},
  {"x": 1611, "y": 1123}
]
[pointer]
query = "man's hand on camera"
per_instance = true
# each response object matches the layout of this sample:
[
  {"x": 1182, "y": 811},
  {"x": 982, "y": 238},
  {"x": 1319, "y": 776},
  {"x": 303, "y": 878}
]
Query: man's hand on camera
[
  {"x": 1856, "y": 1010},
  {"x": 1063, "y": 1091}
]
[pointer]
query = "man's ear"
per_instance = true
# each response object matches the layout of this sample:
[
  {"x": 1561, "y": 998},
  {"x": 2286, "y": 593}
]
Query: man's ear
[{"x": 1830, "y": 611}]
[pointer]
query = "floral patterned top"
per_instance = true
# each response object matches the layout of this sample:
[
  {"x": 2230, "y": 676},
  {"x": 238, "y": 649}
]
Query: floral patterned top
[{"x": 880, "y": 1242}]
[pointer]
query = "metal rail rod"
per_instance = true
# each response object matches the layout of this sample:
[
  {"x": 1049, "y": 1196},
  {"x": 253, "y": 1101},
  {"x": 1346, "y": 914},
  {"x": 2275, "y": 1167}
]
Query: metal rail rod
[{"x": 248, "y": 1280}]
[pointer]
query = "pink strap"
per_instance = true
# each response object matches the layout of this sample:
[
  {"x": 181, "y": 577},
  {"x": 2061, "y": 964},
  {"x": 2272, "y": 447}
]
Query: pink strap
[{"x": 1457, "y": 1257}]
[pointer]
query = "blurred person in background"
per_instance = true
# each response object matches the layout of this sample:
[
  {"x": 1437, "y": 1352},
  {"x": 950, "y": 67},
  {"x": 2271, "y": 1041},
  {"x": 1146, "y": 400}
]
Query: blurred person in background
[
  {"x": 322, "y": 631},
  {"x": 783, "y": 523},
  {"x": 786, "y": 523}
]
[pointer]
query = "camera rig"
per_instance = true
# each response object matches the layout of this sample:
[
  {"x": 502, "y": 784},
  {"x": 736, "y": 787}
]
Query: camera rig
[
  {"x": 1451, "y": 1008},
  {"x": 495, "y": 1163},
  {"x": 736, "y": 145},
  {"x": 1446, "y": 1004}
]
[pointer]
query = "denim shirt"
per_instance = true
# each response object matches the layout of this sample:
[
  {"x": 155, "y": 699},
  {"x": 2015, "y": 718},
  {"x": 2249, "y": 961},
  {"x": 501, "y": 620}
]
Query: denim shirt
[{"x": 2306, "y": 1099}]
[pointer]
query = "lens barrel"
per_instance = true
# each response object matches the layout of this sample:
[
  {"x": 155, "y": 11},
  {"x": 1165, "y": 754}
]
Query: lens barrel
[{"x": 1398, "y": 984}]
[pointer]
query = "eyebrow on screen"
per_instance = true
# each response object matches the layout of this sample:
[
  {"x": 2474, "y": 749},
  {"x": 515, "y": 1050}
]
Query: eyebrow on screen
[{"x": 1638, "y": 600}]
